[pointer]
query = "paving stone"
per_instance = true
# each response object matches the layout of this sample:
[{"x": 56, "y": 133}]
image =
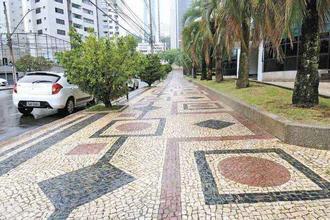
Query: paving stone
[{"x": 176, "y": 152}]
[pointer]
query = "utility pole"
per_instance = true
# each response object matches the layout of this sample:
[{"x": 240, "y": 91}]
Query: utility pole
[
  {"x": 158, "y": 21},
  {"x": 10, "y": 44},
  {"x": 150, "y": 20}
]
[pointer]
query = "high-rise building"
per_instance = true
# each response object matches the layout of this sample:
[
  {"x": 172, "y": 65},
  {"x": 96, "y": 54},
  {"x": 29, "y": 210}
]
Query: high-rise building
[
  {"x": 108, "y": 23},
  {"x": 178, "y": 9}
]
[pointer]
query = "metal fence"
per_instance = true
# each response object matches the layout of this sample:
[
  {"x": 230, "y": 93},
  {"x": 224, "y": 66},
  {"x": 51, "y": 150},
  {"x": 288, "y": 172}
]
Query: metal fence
[{"x": 32, "y": 44}]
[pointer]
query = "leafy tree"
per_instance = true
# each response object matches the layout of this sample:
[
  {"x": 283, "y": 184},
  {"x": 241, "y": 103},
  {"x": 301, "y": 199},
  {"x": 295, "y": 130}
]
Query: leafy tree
[
  {"x": 101, "y": 67},
  {"x": 152, "y": 69},
  {"x": 167, "y": 68},
  {"x": 169, "y": 55},
  {"x": 29, "y": 63}
]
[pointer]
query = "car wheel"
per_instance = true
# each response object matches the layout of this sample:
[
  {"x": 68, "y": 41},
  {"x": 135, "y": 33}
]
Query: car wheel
[
  {"x": 69, "y": 107},
  {"x": 25, "y": 111}
]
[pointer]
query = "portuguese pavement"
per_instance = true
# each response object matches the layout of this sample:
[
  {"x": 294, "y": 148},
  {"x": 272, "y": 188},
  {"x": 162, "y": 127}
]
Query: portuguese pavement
[{"x": 177, "y": 152}]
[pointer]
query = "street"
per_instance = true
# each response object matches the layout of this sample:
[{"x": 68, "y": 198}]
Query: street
[
  {"x": 12, "y": 123},
  {"x": 177, "y": 152}
]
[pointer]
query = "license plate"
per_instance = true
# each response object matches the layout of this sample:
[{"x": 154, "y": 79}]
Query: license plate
[{"x": 33, "y": 104}]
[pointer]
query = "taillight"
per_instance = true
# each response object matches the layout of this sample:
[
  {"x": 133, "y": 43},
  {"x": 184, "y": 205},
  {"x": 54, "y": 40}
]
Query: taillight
[
  {"x": 56, "y": 88},
  {"x": 15, "y": 88}
]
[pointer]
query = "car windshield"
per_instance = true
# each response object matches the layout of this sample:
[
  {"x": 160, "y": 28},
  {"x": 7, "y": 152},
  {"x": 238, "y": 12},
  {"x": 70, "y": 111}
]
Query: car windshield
[{"x": 39, "y": 78}]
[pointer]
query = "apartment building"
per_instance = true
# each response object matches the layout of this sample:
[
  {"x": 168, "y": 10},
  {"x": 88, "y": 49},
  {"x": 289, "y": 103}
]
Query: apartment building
[{"x": 108, "y": 21}]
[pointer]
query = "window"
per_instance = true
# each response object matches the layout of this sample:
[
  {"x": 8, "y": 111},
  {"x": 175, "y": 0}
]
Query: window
[
  {"x": 76, "y": 16},
  {"x": 59, "y": 1},
  {"x": 87, "y": 20},
  {"x": 76, "y": 6},
  {"x": 88, "y": 29},
  {"x": 38, "y": 10},
  {"x": 58, "y": 10},
  {"x": 79, "y": 26},
  {"x": 39, "y": 21},
  {"x": 86, "y": 2},
  {"x": 36, "y": 1},
  {"x": 90, "y": 12},
  {"x": 60, "y": 32},
  {"x": 60, "y": 21},
  {"x": 39, "y": 31}
]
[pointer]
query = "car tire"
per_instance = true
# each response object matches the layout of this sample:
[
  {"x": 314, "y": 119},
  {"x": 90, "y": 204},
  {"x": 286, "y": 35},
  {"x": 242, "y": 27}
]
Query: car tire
[
  {"x": 69, "y": 107},
  {"x": 25, "y": 111}
]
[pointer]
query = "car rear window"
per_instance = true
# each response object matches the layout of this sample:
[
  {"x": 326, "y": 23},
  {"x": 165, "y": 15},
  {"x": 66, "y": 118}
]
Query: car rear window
[{"x": 39, "y": 78}]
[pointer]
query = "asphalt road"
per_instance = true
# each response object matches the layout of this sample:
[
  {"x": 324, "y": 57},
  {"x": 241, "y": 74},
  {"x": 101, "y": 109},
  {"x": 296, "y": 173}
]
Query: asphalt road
[{"x": 12, "y": 123}]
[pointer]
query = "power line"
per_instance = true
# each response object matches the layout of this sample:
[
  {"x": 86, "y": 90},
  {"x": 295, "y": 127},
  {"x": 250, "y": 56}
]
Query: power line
[
  {"x": 132, "y": 12},
  {"x": 101, "y": 10},
  {"x": 120, "y": 13}
]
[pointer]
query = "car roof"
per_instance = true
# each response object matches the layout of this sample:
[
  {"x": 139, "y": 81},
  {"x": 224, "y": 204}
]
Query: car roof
[{"x": 46, "y": 72}]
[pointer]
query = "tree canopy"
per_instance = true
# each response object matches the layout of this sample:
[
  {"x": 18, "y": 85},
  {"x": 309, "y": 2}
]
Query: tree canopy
[{"x": 101, "y": 67}]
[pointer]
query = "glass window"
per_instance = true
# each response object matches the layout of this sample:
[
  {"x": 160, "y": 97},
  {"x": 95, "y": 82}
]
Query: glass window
[
  {"x": 60, "y": 32},
  {"x": 59, "y": 10},
  {"x": 39, "y": 77}
]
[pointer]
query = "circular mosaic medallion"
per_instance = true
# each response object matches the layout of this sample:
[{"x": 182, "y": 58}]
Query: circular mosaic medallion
[
  {"x": 254, "y": 171},
  {"x": 133, "y": 126}
]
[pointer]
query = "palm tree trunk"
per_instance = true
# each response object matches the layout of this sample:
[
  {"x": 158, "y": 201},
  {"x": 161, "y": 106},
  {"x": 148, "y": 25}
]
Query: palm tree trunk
[
  {"x": 209, "y": 69},
  {"x": 306, "y": 90},
  {"x": 218, "y": 66},
  {"x": 204, "y": 71},
  {"x": 243, "y": 75},
  {"x": 193, "y": 72}
]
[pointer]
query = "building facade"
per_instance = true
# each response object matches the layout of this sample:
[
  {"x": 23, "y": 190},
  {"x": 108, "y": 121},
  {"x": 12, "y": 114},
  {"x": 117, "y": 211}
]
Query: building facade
[
  {"x": 178, "y": 9},
  {"x": 109, "y": 22}
]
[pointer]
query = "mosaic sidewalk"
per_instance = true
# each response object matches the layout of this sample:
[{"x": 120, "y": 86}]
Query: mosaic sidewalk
[{"x": 177, "y": 152}]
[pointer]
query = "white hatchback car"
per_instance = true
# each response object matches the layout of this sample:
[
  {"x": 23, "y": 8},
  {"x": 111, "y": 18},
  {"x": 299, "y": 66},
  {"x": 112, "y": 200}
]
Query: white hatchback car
[{"x": 48, "y": 90}]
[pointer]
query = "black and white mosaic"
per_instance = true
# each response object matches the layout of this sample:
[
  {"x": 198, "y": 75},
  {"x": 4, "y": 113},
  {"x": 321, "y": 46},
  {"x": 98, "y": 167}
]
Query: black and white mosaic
[
  {"x": 214, "y": 124},
  {"x": 82, "y": 186},
  {"x": 213, "y": 197}
]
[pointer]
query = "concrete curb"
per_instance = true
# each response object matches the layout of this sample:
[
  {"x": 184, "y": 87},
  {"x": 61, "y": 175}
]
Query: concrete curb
[{"x": 312, "y": 136}]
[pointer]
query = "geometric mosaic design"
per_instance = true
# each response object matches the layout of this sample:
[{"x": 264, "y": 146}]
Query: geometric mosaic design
[
  {"x": 214, "y": 124},
  {"x": 213, "y": 197},
  {"x": 201, "y": 106},
  {"x": 87, "y": 149},
  {"x": 70, "y": 190},
  {"x": 133, "y": 128}
]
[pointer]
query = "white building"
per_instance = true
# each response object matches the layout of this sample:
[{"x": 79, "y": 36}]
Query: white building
[
  {"x": 108, "y": 23},
  {"x": 146, "y": 49}
]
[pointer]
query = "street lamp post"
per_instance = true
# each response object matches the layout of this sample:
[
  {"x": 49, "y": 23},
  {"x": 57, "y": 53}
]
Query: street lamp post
[{"x": 10, "y": 40}]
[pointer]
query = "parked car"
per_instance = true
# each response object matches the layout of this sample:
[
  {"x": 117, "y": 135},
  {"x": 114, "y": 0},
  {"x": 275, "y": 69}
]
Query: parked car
[
  {"x": 48, "y": 90},
  {"x": 3, "y": 82},
  {"x": 133, "y": 84}
]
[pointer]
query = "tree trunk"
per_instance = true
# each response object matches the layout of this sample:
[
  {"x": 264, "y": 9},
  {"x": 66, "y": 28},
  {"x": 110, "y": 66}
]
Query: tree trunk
[
  {"x": 204, "y": 72},
  {"x": 243, "y": 75},
  {"x": 107, "y": 102},
  {"x": 218, "y": 66},
  {"x": 209, "y": 70},
  {"x": 306, "y": 89},
  {"x": 193, "y": 72}
]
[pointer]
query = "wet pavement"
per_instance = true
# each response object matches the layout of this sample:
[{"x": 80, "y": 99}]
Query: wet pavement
[
  {"x": 13, "y": 123},
  {"x": 177, "y": 152}
]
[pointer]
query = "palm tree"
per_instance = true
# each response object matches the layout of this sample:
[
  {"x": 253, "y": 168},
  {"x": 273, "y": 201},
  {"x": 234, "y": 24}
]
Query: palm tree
[
  {"x": 312, "y": 15},
  {"x": 250, "y": 21},
  {"x": 197, "y": 15}
]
